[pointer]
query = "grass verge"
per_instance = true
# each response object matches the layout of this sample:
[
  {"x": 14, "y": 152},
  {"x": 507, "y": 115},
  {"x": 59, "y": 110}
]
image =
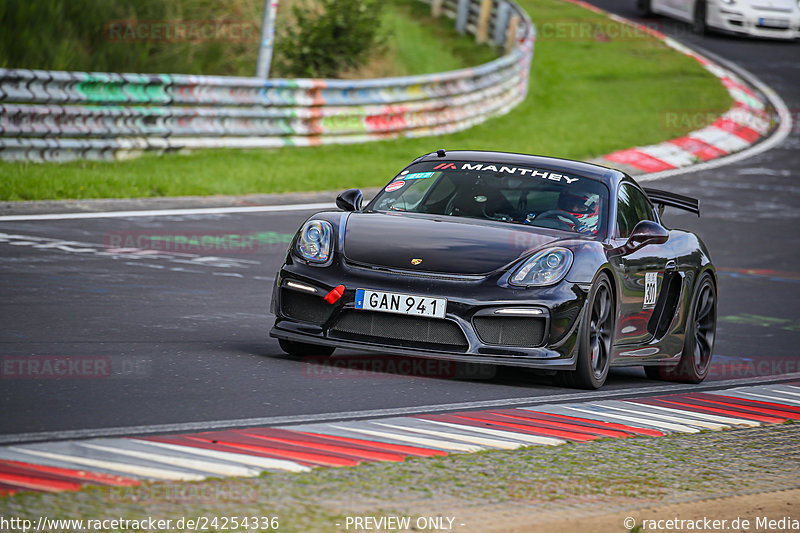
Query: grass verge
[
  {"x": 486, "y": 491},
  {"x": 589, "y": 95}
]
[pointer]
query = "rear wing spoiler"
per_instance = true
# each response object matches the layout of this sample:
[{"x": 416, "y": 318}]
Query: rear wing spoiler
[{"x": 664, "y": 198}]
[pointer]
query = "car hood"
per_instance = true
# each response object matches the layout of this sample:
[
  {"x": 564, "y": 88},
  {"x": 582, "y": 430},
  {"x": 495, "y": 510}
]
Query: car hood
[{"x": 444, "y": 244}]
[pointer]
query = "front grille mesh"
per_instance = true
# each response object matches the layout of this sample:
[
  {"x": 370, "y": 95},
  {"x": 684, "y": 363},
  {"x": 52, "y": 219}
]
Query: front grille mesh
[
  {"x": 510, "y": 330},
  {"x": 305, "y": 307},
  {"x": 410, "y": 331}
]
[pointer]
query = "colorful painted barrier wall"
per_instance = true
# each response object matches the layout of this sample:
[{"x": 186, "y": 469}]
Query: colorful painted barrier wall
[{"x": 60, "y": 116}]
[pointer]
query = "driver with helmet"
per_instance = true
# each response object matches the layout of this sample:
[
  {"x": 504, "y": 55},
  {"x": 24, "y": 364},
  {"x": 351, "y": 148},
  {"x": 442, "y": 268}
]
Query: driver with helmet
[
  {"x": 580, "y": 211},
  {"x": 584, "y": 207}
]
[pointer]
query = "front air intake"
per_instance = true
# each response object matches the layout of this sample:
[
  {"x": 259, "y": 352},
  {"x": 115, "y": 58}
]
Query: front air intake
[
  {"x": 510, "y": 330},
  {"x": 305, "y": 307},
  {"x": 399, "y": 330}
]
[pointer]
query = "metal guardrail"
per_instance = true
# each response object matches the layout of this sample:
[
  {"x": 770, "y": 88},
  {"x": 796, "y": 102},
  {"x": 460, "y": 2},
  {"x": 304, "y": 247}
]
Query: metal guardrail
[{"x": 59, "y": 116}]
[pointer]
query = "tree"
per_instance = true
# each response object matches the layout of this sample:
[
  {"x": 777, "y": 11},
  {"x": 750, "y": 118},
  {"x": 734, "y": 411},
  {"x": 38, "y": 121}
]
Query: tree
[{"x": 331, "y": 37}]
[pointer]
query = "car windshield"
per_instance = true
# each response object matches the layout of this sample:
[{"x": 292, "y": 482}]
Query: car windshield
[{"x": 506, "y": 193}]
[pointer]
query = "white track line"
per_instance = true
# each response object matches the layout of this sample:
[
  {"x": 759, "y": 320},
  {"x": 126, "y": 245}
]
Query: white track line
[
  {"x": 170, "y": 212},
  {"x": 419, "y": 441},
  {"x": 287, "y": 421},
  {"x": 632, "y": 420},
  {"x": 461, "y": 437},
  {"x": 251, "y": 460},
  {"x": 125, "y": 468},
  {"x": 703, "y": 416},
  {"x": 786, "y": 392},
  {"x": 525, "y": 437},
  {"x": 639, "y": 410},
  {"x": 760, "y": 397},
  {"x": 208, "y": 467}
]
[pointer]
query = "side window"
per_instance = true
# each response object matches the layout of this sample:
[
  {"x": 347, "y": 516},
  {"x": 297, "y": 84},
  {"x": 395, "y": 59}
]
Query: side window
[{"x": 632, "y": 206}]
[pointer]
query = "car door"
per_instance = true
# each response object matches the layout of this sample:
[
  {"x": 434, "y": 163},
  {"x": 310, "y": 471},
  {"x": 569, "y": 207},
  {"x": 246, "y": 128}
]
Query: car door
[
  {"x": 640, "y": 270},
  {"x": 671, "y": 8},
  {"x": 684, "y": 9}
]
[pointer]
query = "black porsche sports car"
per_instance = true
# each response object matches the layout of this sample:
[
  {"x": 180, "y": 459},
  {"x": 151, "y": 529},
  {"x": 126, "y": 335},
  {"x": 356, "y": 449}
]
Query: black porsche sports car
[{"x": 508, "y": 259}]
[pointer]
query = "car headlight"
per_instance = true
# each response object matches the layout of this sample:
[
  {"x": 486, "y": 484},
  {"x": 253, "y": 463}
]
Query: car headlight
[
  {"x": 314, "y": 243},
  {"x": 544, "y": 268},
  {"x": 729, "y": 2}
]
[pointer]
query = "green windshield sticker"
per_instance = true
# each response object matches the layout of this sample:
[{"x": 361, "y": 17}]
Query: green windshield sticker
[{"x": 419, "y": 176}]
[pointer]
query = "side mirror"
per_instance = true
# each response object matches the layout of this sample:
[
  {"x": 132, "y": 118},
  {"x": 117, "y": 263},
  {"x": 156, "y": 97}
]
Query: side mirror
[
  {"x": 350, "y": 200},
  {"x": 647, "y": 232}
]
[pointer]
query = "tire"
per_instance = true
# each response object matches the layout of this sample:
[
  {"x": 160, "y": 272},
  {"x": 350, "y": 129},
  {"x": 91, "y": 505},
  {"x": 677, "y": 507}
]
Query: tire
[
  {"x": 698, "y": 345},
  {"x": 643, "y": 8},
  {"x": 297, "y": 350},
  {"x": 595, "y": 338},
  {"x": 699, "y": 25}
]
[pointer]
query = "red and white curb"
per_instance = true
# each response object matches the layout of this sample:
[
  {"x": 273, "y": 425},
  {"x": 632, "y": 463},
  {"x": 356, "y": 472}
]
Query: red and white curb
[
  {"x": 70, "y": 465},
  {"x": 754, "y": 115}
]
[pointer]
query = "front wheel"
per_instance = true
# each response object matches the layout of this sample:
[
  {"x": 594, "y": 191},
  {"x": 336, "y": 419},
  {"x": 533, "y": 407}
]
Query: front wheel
[
  {"x": 595, "y": 338},
  {"x": 301, "y": 349},
  {"x": 698, "y": 346},
  {"x": 699, "y": 25}
]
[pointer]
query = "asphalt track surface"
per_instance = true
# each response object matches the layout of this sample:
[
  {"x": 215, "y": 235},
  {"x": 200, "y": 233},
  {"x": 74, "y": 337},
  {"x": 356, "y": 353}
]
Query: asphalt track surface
[{"x": 170, "y": 339}]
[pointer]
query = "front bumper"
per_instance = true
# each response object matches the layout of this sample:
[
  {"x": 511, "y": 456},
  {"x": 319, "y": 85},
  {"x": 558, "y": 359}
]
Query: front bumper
[
  {"x": 744, "y": 19},
  {"x": 471, "y": 331}
]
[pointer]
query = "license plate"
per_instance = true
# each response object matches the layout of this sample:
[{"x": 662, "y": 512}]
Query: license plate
[
  {"x": 773, "y": 23},
  {"x": 403, "y": 304}
]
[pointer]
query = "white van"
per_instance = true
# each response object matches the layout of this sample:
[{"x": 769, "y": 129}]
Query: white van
[{"x": 761, "y": 18}]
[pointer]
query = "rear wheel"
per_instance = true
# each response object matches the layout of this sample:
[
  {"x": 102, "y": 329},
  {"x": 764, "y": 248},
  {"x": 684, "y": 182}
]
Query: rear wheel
[
  {"x": 301, "y": 349},
  {"x": 698, "y": 346},
  {"x": 699, "y": 25},
  {"x": 595, "y": 338}
]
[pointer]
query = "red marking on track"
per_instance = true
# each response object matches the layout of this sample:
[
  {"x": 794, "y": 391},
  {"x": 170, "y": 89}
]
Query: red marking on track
[
  {"x": 237, "y": 439},
  {"x": 698, "y": 148},
  {"x": 640, "y": 160},
  {"x": 400, "y": 448},
  {"x": 42, "y": 484},
  {"x": 730, "y": 84},
  {"x": 189, "y": 442},
  {"x": 766, "y": 408},
  {"x": 291, "y": 437},
  {"x": 7, "y": 490},
  {"x": 497, "y": 422},
  {"x": 543, "y": 419},
  {"x": 743, "y": 132},
  {"x": 66, "y": 474},
  {"x": 697, "y": 405},
  {"x": 746, "y": 108},
  {"x": 610, "y": 425}
]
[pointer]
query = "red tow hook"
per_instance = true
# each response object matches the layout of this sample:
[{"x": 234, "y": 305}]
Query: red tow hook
[{"x": 336, "y": 293}]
